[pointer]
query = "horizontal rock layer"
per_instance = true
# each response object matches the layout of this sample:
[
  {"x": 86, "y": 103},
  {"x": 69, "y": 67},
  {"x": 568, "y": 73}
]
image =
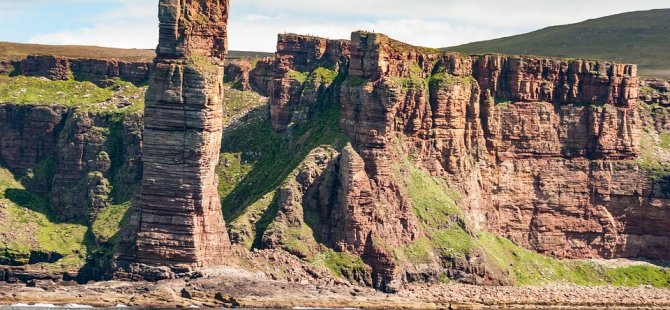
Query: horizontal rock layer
[
  {"x": 179, "y": 224},
  {"x": 67, "y": 155},
  {"x": 541, "y": 148},
  {"x": 97, "y": 71},
  {"x": 297, "y": 56},
  {"x": 543, "y": 151}
]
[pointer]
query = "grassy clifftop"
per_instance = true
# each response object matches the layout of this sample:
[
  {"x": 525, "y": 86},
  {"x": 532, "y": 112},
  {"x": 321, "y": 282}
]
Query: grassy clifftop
[
  {"x": 14, "y": 51},
  {"x": 635, "y": 37}
]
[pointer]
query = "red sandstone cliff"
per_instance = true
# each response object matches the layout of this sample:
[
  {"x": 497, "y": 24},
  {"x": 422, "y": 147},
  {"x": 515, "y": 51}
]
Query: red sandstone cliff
[
  {"x": 296, "y": 59},
  {"x": 545, "y": 152},
  {"x": 98, "y": 71},
  {"x": 541, "y": 151},
  {"x": 66, "y": 155},
  {"x": 179, "y": 221}
]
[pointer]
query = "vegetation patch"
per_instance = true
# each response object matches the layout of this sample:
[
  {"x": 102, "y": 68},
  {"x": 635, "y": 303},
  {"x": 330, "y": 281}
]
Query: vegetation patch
[
  {"x": 41, "y": 175},
  {"x": 435, "y": 207},
  {"x": 34, "y": 90},
  {"x": 237, "y": 102},
  {"x": 255, "y": 218},
  {"x": 431, "y": 202},
  {"x": 204, "y": 63},
  {"x": 298, "y": 241},
  {"x": 502, "y": 101},
  {"x": 415, "y": 70},
  {"x": 651, "y": 158},
  {"x": 299, "y": 76},
  {"x": 665, "y": 140},
  {"x": 448, "y": 79},
  {"x": 454, "y": 241},
  {"x": 325, "y": 75},
  {"x": 530, "y": 268},
  {"x": 342, "y": 264},
  {"x": 109, "y": 221},
  {"x": 84, "y": 95},
  {"x": 29, "y": 226},
  {"x": 418, "y": 252},
  {"x": 409, "y": 83},
  {"x": 354, "y": 81}
]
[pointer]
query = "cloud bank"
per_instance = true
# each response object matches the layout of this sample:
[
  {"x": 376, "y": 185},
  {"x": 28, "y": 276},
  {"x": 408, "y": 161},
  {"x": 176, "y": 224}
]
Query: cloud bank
[{"x": 254, "y": 24}]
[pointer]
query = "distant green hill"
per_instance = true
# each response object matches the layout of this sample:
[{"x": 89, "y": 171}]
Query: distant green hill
[{"x": 640, "y": 37}]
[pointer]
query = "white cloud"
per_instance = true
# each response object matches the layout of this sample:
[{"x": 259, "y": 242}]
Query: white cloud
[
  {"x": 254, "y": 24},
  {"x": 510, "y": 13},
  {"x": 123, "y": 35},
  {"x": 134, "y": 24},
  {"x": 260, "y": 33}
]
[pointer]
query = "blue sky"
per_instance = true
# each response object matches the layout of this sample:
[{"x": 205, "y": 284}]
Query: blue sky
[{"x": 254, "y": 24}]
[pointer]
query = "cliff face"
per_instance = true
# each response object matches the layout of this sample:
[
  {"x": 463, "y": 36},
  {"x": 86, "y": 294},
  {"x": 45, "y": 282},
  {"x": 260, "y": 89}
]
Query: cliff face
[
  {"x": 248, "y": 74},
  {"x": 655, "y": 91},
  {"x": 29, "y": 135},
  {"x": 541, "y": 148},
  {"x": 544, "y": 152},
  {"x": 180, "y": 223},
  {"x": 72, "y": 157},
  {"x": 98, "y": 71},
  {"x": 295, "y": 82},
  {"x": 404, "y": 163}
]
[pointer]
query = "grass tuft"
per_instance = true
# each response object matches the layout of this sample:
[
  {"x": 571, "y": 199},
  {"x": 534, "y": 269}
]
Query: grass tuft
[{"x": 342, "y": 264}]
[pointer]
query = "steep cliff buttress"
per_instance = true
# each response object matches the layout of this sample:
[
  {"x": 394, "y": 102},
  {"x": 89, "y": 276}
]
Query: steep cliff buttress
[
  {"x": 544, "y": 152},
  {"x": 179, "y": 222}
]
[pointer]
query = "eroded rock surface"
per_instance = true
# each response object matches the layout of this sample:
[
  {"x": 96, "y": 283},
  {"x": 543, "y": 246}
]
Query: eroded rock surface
[
  {"x": 251, "y": 74},
  {"x": 542, "y": 151},
  {"x": 67, "y": 155},
  {"x": 655, "y": 91},
  {"x": 295, "y": 82},
  {"x": 180, "y": 224},
  {"x": 98, "y": 71}
]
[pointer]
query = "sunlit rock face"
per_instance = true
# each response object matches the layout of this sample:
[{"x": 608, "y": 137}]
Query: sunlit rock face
[{"x": 179, "y": 222}]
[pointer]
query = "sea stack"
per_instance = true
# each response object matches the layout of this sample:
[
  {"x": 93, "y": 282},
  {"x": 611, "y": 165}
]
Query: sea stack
[{"x": 181, "y": 225}]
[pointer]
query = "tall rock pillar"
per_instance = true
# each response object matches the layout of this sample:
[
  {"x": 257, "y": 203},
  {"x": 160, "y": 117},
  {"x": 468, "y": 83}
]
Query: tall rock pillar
[{"x": 180, "y": 220}]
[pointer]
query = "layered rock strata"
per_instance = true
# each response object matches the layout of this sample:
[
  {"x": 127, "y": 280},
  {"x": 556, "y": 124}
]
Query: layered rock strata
[
  {"x": 541, "y": 148},
  {"x": 72, "y": 157},
  {"x": 542, "y": 151},
  {"x": 655, "y": 91},
  {"x": 260, "y": 77},
  {"x": 180, "y": 224},
  {"x": 251, "y": 74},
  {"x": 98, "y": 71},
  {"x": 294, "y": 74}
]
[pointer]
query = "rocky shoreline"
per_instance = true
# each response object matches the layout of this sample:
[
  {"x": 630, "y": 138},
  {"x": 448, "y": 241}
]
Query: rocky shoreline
[{"x": 235, "y": 288}]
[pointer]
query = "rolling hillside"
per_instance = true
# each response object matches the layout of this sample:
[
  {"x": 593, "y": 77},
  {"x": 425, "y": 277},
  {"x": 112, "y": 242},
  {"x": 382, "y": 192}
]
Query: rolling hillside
[{"x": 637, "y": 37}]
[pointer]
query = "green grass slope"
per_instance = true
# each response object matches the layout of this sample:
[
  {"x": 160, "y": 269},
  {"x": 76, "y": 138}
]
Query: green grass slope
[{"x": 636, "y": 37}]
